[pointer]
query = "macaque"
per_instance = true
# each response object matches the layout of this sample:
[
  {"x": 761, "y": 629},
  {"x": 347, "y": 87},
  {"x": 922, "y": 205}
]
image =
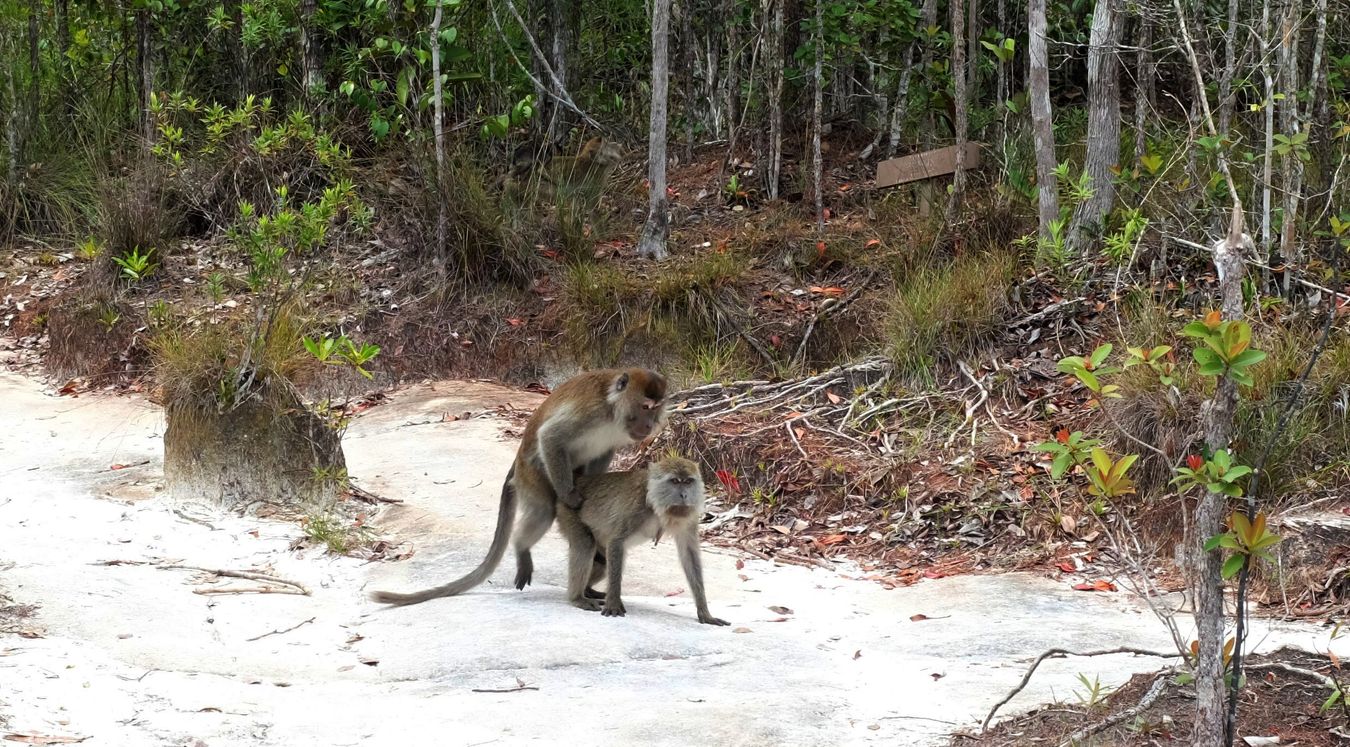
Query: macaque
[
  {"x": 621, "y": 508},
  {"x": 576, "y": 428},
  {"x": 583, "y": 176}
]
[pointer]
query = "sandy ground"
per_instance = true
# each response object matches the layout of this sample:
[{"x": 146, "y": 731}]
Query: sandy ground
[{"x": 128, "y": 654}]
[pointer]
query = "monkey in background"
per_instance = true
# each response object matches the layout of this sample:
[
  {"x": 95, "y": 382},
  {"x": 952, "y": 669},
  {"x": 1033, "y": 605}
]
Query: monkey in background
[
  {"x": 622, "y": 508},
  {"x": 584, "y": 175},
  {"x": 576, "y": 428}
]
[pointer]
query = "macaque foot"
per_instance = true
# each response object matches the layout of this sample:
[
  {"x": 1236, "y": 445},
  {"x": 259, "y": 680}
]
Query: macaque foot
[
  {"x": 614, "y": 609},
  {"x": 708, "y": 619},
  {"x": 593, "y": 594},
  {"x": 590, "y": 605}
]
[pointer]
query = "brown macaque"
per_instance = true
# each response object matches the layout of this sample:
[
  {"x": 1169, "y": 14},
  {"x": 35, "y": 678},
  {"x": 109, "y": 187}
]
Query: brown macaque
[
  {"x": 583, "y": 175},
  {"x": 577, "y": 428},
  {"x": 622, "y": 508}
]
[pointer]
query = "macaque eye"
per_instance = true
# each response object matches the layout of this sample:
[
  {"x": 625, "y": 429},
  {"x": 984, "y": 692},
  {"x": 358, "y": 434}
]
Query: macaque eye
[{"x": 632, "y": 418}]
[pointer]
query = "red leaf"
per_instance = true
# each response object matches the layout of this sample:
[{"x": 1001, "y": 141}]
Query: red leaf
[
  {"x": 729, "y": 481},
  {"x": 118, "y": 466},
  {"x": 675, "y": 593},
  {"x": 1066, "y": 566},
  {"x": 514, "y": 322},
  {"x": 871, "y": 243},
  {"x": 832, "y": 539},
  {"x": 740, "y": 564},
  {"x": 832, "y": 397},
  {"x": 930, "y": 573},
  {"x": 776, "y": 341},
  {"x": 1098, "y": 585},
  {"x": 1062, "y": 435},
  {"x": 918, "y": 618},
  {"x": 1194, "y": 461},
  {"x": 820, "y": 249}
]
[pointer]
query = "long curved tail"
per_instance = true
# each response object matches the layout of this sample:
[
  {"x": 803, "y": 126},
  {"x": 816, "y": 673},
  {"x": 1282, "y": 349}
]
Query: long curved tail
[{"x": 505, "y": 516}]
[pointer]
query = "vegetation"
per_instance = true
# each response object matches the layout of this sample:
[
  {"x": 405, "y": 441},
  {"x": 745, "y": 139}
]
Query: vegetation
[{"x": 252, "y": 200}]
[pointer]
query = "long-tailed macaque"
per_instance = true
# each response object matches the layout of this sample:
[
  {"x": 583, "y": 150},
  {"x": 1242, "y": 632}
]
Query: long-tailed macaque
[
  {"x": 583, "y": 175},
  {"x": 622, "y": 508},
  {"x": 578, "y": 427}
]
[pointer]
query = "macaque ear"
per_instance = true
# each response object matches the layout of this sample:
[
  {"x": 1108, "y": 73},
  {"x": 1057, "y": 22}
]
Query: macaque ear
[{"x": 621, "y": 383}]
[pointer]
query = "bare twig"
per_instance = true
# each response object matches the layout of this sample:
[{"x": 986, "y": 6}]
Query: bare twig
[
  {"x": 518, "y": 689},
  {"x": 1321, "y": 679},
  {"x": 280, "y": 631},
  {"x": 1059, "y": 653},
  {"x": 1151, "y": 696}
]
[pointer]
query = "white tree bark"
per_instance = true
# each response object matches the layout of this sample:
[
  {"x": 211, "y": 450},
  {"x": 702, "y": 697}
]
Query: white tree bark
[
  {"x": 438, "y": 128},
  {"x": 774, "y": 53},
  {"x": 1043, "y": 133},
  {"x": 1291, "y": 124},
  {"x": 960, "y": 75},
  {"x": 818, "y": 93},
  {"x": 652, "y": 244},
  {"x": 1103, "y": 147}
]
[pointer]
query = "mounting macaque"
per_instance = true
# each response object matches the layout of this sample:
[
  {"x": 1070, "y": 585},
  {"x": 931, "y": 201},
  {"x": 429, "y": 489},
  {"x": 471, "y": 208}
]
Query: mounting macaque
[
  {"x": 583, "y": 175},
  {"x": 578, "y": 427},
  {"x": 622, "y": 508}
]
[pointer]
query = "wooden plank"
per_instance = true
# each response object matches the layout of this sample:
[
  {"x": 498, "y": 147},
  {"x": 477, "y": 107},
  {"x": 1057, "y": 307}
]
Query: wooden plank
[{"x": 926, "y": 165}]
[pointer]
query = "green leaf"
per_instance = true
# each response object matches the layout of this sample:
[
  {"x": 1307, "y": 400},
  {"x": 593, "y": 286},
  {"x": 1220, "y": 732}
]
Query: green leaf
[
  {"x": 1099, "y": 355},
  {"x": 1233, "y": 565},
  {"x": 1060, "y": 465},
  {"x": 1247, "y": 358},
  {"x": 1212, "y": 543}
]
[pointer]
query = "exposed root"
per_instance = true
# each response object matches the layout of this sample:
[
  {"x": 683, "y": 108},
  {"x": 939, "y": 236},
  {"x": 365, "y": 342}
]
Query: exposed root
[{"x": 293, "y": 587}]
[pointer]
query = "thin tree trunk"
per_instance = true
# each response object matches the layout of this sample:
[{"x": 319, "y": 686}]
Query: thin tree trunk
[
  {"x": 234, "y": 45},
  {"x": 1043, "y": 132},
  {"x": 438, "y": 129},
  {"x": 34, "y": 66},
  {"x": 1268, "y": 154},
  {"x": 311, "y": 64},
  {"x": 1144, "y": 75},
  {"x": 1292, "y": 165},
  {"x": 1103, "y": 148},
  {"x": 1229, "y": 68},
  {"x": 11, "y": 114},
  {"x": 1319, "y": 110},
  {"x": 959, "y": 77},
  {"x": 733, "y": 82},
  {"x": 973, "y": 31},
  {"x": 818, "y": 93},
  {"x": 775, "y": 63},
  {"x": 62, "y": 11},
  {"x": 901, "y": 109},
  {"x": 924, "y": 190},
  {"x": 147, "y": 78},
  {"x": 687, "y": 44},
  {"x": 657, "y": 229},
  {"x": 1002, "y": 82},
  {"x": 560, "y": 31}
]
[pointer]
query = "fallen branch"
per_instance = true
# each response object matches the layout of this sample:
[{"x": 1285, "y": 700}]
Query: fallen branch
[
  {"x": 295, "y": 586},
  {"x": 278, "y": 632},
  {"x": 1059, "y": 653},
  {"x": 1321, "y": 679},
  {"x": 828, "y": 308},
  {"x": 1154, "y": 692}
]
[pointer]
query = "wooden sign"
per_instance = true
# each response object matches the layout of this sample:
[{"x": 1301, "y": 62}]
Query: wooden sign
[{"x": 926, "y": 165}]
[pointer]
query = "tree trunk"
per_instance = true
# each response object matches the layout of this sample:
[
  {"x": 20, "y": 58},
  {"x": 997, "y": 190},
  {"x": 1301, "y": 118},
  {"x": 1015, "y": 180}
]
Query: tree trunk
[
  {"x": 562, "y": 26},
  {"x": 311, "y": 63},
  {"x": 1043, "y": 132},
  {"x": 1103, "y": 148},
  {"x": 438, "y": 130},
  {"x": 11, "y": 114},
  {"x": 34, "y": 66},
  {"x": 1001, "y": 83},
  {"x": 1229, "y": 68},
  {"x": 901, "y": 101},
  {"x": 733, "y": 81},
  {"x": 234, "y": 48},
  {"x": 147, "y": 78},
  {"x": 687, "y": 45},
  {"x": 1268, "y": 154},
  {"x": 657, "y": 229},
  {"x": 1319, "y": 110},
  {"x": 818, "y": 97},
  {"x": 1210, "y": 515},
  {"x": 959, "y": 77},
  {"x": 775, "y": 63},
  {"x": 1292, "y": 165},
  {"x": 924, "y": 190},
  {"x": 1144, "y": 79},
  {"x": 972, "y": 34},
  {"x": 62, "y": 11}
]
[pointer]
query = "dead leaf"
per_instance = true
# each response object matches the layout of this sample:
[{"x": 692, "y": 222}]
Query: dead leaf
[
  {"x": 743, "y": 577},
  {"x": 43, "y": 739},
  {"x": 918, "y": 618},
  {"x": 675, "y": 593},
  {"x": 832, "y": 397},
  {"x": 857, "y": 654},
  {"x": 368, "y": 660},
  {"x": 832, "y": 539},
  {"x": 937, "y": 675},
  {"x": 515, "y": 322},
  {"x": 1066, "y": 566},
  {"x": 777, "y": 620},
  {"x": 740, "y": 564},
  {"x": 117, "y": 467},
  {"x": 1067, "y": 523},
  {"x": 741, "y": 630},
  {"x": 1098, "y": 585},
  {"x": 780, "y": 609}
]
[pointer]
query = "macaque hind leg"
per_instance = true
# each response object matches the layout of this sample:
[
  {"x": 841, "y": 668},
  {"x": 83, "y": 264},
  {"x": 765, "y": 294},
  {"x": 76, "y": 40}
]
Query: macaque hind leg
[
  {"x": 613, "y": 602},
  {"x": 580, "y": 562},
  {"x": 535, "y": 519},
  {"x": 597, "y": 573}
]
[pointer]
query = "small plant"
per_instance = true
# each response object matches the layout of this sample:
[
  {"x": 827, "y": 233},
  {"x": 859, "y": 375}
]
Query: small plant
[
  {"x": 109, "y": 317},
  {"x": 137, "y": 265},
  {"x": 342, "y": 351},
  {"x": 1227, "y": 347},
  {"x": 1093, "y": 694},
  {"x": 1246, "y": 539},
  {"x": 89, "y": 250},
  {"x": 159, "y": 313},
  {"x": 735, "y": 192},
  {"x": 335, "y": 534},
  {"x": 215, "y": 287}
]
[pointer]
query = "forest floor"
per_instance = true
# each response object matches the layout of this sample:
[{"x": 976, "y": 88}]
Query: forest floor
[{"x": 110, "y": 632}]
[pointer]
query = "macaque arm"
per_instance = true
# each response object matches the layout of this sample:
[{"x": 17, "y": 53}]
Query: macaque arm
[
  {"x": 686, "y": 543},
  {"x": 557, "y": 465}
]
